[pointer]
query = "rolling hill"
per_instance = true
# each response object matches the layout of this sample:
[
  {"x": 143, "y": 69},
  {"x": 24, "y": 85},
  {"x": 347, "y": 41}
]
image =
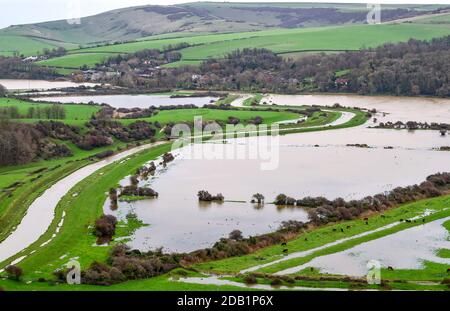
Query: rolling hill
[{"x": 191, "y": 18}]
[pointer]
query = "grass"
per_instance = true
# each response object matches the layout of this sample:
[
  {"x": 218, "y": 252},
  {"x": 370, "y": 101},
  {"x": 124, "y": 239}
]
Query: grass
[
  {"x": 26, "y": 45},
  {"x": 281, "y": 41},
  {"x": 254, "y": 100},
  {"x": 187, "y": 116},
  {"x": 76, "y": 61},
  {"x": 74, "y": 113}
]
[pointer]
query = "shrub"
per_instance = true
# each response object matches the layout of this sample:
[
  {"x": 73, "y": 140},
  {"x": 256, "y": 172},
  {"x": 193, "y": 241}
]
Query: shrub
[
  {"x": 250, "y": 279},
  {"x": 14, "y": 272},
  {"x": 276, "y": 282},
  {"x": 236, "y": 235},
  {"x": 104, "y": 154},
  {"x": 105, "y": 227}
]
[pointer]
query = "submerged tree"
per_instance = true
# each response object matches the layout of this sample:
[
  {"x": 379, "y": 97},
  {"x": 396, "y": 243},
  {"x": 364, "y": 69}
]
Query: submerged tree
[{"x": 258, "y": 198}]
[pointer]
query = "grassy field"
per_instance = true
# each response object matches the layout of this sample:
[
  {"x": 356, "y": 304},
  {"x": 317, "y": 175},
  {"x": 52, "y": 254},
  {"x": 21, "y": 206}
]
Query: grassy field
[
  {"x": 282, "y": 41},
  {"x": 187, "y": 116},
  {"x": 75, "y": 114},
  {"x": 75, "y": 61},
  {"x": 27, "y": 45}
]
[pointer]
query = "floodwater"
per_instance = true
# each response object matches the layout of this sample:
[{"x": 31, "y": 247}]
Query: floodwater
[
  {"x": 331, "y": 171},
  {"x": 132, "y": 101},
  {"x": 397, "y": 108},
  {"x": 407, "y": 249},
  {"x": 304, "y": 164},
  {"x": 21, "y": 84}
]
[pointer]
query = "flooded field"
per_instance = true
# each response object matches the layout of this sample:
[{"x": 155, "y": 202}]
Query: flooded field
[
  {"x": 396, "y": 108},
  {"x": 407, "y": 249},
  {"x": 332, "y": 171},
  {"x": 20, "y": 85},
  {"x": 306, "y": 164},
  {"x": 132, "y": 101}
]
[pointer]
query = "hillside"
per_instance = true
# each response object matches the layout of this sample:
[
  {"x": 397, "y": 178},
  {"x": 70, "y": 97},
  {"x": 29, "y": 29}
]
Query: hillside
[{"x": 192, "y": 18}]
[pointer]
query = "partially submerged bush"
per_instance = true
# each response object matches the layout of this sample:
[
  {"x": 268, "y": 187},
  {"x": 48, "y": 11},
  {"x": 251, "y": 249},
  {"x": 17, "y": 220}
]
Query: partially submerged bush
[
  {"x": 105, "y": 228},
  {"x": 250, "y": 279},
  {"x": 205, "y": 196}
]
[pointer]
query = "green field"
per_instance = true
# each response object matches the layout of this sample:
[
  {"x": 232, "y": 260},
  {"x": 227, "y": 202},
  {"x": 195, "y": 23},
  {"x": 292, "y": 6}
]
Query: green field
[
  {"x": 75, "y": 61},
  {"x": 74, "y": 113},
  {"x": 187, "y": 116},
  {"x": 281, "y": 41},
  {"x": 28, "y": 45}
]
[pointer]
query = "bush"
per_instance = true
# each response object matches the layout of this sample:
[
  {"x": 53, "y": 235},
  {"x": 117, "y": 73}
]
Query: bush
[
  {"x": 276, "y": 282},
  {"x": 14, "y": 272},
  {"x": 104, "y": 154},
  {"x": 250, "y": 279},
  {"x": 105, "y": 227},
  {"x": 236, "y": 235}
]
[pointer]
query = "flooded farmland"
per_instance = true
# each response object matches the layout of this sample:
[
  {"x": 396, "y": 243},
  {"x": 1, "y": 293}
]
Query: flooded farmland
[
  {"x": 309, "y": 164},
  {"x": 132, "y": 101}
]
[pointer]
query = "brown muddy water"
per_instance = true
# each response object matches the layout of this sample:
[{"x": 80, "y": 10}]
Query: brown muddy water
[{"x": 396, "y": 108}]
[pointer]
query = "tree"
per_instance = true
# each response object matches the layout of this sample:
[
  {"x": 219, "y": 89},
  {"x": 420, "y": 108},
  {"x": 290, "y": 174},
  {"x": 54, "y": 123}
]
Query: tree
[
  {"x": 236, "y": 235},
  {"x": 280, "y": 199},
  {"x": 258, "y": 198},
  {"x": 14, "y": 272}
]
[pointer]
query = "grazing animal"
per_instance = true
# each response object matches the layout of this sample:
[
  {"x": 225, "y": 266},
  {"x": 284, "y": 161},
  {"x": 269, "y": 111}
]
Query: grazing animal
[
  {"x": 401, "y": 219},
  {"x": 407, "y": 220},
  {"x": 334, "y": 229},
  {"x": 342, "y": 230},
  {"x": 285, "y": 250},
  {"x": 348, "y": 227},
  {"x": 390, "y": 268},
  {"x": 283, "y": 244}
]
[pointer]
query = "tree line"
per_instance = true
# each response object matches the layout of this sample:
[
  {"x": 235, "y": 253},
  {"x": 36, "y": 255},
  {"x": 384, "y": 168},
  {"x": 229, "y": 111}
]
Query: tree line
[
  {"x": 408, "y": 68},
  {"x": 56, "y": 112}
]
